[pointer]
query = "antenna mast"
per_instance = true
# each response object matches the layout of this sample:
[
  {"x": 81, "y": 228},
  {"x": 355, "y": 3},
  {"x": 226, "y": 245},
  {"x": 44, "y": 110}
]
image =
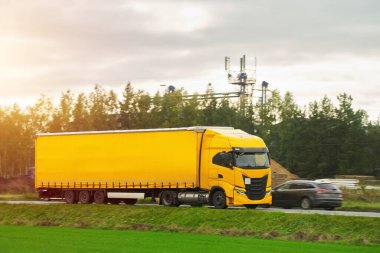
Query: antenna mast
[{"x": 245, "y": 79}]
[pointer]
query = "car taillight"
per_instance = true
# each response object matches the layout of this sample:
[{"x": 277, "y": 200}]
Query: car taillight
[{"x": 318, "y": 191}]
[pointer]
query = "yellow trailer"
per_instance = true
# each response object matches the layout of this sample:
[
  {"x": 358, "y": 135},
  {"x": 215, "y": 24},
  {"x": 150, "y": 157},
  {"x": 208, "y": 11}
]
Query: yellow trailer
[{"x": 218, "y": 166}]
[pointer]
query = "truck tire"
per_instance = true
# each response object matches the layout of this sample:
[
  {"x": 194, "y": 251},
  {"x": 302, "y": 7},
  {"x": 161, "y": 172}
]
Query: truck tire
[
  {"x": 70, "y": 197},
  {"x": 169, "y": 198},
  {"x": 84, "y": 197},
  {"x": 130, "y": 201},
  {"x": 100, "y": 197},
  {"x": 219, "y": 200}
]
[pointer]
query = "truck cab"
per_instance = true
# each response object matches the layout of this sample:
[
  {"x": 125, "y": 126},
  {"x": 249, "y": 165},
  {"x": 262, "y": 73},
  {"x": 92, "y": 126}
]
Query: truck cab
[{"x": 238, "y": 169}]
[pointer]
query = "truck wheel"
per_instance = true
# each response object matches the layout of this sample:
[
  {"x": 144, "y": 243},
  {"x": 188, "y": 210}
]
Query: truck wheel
[
  {"x": 70, "y": 197},
  {"x": 84, "y": 197},
  {"x": 219, "y": 200},
  {"x": 99, "y": 197},
  {"x": 169, "y": 198},
  {"x": 130, "y": 201}
]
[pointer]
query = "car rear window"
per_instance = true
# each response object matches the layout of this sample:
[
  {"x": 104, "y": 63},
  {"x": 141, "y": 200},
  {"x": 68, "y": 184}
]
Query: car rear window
[{"x": 327, "y": 186}]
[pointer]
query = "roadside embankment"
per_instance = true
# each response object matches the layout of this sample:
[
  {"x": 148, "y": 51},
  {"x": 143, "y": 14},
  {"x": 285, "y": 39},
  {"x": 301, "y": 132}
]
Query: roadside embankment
[{"x": 241, "y": 222}]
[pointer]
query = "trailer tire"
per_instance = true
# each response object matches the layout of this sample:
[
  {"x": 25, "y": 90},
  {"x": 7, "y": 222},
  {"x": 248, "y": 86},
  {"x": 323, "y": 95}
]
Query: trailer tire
[
  {"x": 84, "y": 197},
  {"x": 70, "y": 197},
  {"x": 219, "y": 200},
  {"x": 100, "y": 197}
]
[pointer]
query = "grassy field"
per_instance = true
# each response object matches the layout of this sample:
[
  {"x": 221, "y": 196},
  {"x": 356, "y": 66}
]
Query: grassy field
[
  {"x": 52, "y": 239},
  {"x": 359, "y": 205},
  {"x": 25, "y": 196},
  {"x": 242, "y": 222}
]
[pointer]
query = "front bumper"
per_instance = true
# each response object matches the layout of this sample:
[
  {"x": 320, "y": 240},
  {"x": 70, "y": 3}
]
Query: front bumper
[
  {"x": 242, "y": 199},
  {"x": 327, "y": 202}
]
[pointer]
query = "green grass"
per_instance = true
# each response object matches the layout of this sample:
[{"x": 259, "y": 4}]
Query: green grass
[
  {"x": 241, "y": 222},
  {"x": 54, "y": 239},
  {"x": 358, "y": 205},
  {"x": 25, "y": 196}
]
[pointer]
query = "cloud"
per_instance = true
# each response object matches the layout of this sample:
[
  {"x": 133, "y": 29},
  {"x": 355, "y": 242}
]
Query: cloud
[{"x": 326, "y": 46}]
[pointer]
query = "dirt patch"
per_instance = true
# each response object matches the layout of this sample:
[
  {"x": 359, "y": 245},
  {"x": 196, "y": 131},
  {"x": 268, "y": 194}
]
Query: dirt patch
[
  {"x": 46, "y": 223},
  {"x": 280, "y": 174},
  {"x": 236, "y": 232},
  {"x": 270, "y": 234},
  {"x": 141, "y": 226}
]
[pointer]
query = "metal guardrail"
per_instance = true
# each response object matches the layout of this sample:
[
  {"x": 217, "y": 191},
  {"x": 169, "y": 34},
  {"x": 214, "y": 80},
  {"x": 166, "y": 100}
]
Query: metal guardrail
[
  {"x": 347, "y": 184},
  {"x": 341, "y": 183}
]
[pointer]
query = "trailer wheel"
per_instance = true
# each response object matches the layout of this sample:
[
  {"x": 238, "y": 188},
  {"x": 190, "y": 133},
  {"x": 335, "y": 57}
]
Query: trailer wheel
[
  {"x": 70, "y": 197},
  {"x": 84, "y": 197},
  {"x": 99, "y": 197},
  {"x": 219, "y": 200}
]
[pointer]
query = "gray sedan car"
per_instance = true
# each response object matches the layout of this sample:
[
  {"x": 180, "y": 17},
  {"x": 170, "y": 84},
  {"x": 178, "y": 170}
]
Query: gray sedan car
[{"x": 307, "y": 194}]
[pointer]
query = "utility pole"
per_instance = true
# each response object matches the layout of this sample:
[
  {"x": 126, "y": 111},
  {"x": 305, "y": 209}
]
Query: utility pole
[{"x": 264, "y": 88}]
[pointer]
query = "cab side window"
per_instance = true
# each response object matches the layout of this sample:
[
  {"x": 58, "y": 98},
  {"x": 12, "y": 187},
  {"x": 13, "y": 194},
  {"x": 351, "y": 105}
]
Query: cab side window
[{"x": 218, "y": 160}]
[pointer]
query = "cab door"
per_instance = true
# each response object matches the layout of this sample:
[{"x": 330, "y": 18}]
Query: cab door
[{"x": 224, "y": 172}]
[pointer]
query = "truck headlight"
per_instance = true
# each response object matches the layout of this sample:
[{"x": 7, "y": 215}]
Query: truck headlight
[{"x": 241, "y": 192}]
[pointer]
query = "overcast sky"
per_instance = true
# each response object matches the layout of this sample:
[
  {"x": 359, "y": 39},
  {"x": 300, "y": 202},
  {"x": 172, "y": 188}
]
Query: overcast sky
[{"x": 311, "y": 48}]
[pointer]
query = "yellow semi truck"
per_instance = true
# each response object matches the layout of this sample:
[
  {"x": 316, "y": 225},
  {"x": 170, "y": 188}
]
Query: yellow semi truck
[{"x": 218, "y": 166}]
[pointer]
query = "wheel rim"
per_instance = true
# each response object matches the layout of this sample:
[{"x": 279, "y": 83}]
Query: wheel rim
[
  {"x": 70, "y": 197},
  {"x": 84, "y": 197},
  {"x": 99, "y": 197},
  {"x": 305, "y": 203}
]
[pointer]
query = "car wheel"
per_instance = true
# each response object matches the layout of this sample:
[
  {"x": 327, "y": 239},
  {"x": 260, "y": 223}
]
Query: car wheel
[{"x": 305, "y": 203}]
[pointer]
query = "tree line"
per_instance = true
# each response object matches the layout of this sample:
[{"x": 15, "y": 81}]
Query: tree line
[{"x": 319, "y": 140}]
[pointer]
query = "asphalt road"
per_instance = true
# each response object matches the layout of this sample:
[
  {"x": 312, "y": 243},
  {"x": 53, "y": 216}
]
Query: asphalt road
[{"x": 314, "y": 211}]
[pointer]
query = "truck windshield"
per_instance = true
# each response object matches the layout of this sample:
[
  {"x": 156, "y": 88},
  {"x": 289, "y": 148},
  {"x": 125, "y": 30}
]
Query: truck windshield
[{"x": 251, "y": 160}]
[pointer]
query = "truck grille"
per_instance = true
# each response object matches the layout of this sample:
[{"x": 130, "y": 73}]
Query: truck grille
[{"x": 257, "y": 188}]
